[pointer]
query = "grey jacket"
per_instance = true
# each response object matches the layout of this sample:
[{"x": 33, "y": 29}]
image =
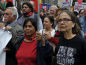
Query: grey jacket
[
  {"x": 21, "y": 20},
  {"x": 17, "y": 34}
]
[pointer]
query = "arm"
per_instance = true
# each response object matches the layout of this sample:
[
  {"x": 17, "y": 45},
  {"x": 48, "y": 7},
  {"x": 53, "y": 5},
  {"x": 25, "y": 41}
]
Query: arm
[
  {"x": 45, "y": 53},
  {"x": 54, "y": 39},
  {"x": 17, "y": 33}
]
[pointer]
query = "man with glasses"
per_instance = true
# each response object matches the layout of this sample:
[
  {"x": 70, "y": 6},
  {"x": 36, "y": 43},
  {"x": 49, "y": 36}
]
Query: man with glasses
[{"x": 10, "y": 15}]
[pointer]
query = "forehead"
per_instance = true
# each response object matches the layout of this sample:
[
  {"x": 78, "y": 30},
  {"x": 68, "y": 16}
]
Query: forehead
[
  {"x": 28, "y": 23},
  {"x": 64, "y": 15},
  {"x": 46, "y": 18},
  {"x": 25, "y": 5},
  {"x": 52, "y": 8},
  {"x": 8, "y": 10}
]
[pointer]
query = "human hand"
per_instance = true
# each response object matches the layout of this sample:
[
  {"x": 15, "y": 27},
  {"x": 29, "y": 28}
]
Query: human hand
[
  {"x": 47, "y": 35},
  {"x": 6, "y": 49},
  {"x": 2, "y": 25},
  {"x": 40, "y": 37},
  {"x": 8, "y": 28}
]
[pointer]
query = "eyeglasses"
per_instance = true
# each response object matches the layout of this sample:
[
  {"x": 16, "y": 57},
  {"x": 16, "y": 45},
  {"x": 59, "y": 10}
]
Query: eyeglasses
[
  {"x": 6, "y": 14},
  {"x": 64, "y": 20}
]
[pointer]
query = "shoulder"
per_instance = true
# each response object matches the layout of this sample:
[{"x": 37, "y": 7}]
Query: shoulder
[
  {"x": 79, "y": 40},
  {"x": 19, "y": 43},
  {"x": 16, "y": 25}
]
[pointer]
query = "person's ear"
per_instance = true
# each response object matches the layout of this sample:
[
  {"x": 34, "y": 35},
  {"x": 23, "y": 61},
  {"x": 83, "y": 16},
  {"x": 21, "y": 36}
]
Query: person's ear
[{"x": 73, "y": 25}]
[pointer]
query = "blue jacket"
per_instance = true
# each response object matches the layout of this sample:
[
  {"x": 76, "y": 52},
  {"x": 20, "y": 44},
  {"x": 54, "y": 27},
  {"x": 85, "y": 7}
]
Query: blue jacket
[{"x": 82, "y": 21}]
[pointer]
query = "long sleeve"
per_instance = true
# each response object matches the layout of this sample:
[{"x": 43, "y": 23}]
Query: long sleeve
[{"x": 45, "y": 54}]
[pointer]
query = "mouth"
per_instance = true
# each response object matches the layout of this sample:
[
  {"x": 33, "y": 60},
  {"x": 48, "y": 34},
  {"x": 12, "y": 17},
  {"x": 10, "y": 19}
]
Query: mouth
[
  {"x": 27, "y": 32},
  {"x": 62, "y": 27}
]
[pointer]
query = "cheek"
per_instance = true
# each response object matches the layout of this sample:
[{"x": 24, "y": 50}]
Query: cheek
[
  {"x": 33, "y": 30},
  {"x": 69, "y": 27},
  {"x": 62, "y": 27}
]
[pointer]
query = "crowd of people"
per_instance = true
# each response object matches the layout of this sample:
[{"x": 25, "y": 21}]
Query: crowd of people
[{"x": 55, "y": 37}]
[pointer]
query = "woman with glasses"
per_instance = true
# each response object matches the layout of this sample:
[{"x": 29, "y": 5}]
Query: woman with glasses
[{"x": 71, "y": 49}]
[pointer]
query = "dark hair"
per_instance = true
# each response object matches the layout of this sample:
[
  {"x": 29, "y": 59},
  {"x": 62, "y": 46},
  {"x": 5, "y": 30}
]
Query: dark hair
[
  {"x": 59, "y": 10},
  {"x": 76, "y": 13},
  {"x": 29, "y": 5},
  {"x": 77, "y": 28},
  {"x": 51, "y": 18},
  {"x": 80, "y": 10},
  {"x": 9, "y": 4},
  {"x": 34, "y": 23}
]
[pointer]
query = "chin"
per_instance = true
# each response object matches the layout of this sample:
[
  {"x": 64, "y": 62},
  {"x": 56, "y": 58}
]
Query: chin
[
  {"x": 28, "y": 34},
  {"x": 62, "y": 30}
]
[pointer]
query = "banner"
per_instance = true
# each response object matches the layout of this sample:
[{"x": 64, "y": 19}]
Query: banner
[
  {"x": 79, "y": 1},
  {"x": 36, "y": 4},
  {"x": 5, "y": 37},
  {"x": 2, "y": 1},
  {"x": 40, "y": 4},
  {"x": 79, "y": 6},
  {"x": 10, "y": 1},
  {"x": 65, "y": 3}
]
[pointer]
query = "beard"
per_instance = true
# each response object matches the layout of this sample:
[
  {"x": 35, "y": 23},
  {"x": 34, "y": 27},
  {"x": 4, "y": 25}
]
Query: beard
[{"x": 25, "y": 14}]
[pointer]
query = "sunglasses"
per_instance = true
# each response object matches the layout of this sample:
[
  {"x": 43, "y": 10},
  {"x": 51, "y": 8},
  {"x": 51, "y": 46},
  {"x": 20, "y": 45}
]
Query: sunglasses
[{"x": 64, "y": 20}]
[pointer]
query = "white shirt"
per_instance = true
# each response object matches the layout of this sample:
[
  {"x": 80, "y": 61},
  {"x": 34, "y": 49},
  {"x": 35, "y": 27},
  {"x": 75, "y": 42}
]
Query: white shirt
[{"x": 52, "y": 32}]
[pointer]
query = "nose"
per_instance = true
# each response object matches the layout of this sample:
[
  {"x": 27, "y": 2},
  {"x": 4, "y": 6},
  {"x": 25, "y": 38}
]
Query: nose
[
  {"x": 23, "y": 8},
  {"x": 27, "y": 28},
  {"x": 61, "y": 21}
]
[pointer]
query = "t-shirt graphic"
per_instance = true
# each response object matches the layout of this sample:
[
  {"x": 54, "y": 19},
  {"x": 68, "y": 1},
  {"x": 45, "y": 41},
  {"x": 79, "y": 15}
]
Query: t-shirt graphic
[{"x": 65, "y": 55}]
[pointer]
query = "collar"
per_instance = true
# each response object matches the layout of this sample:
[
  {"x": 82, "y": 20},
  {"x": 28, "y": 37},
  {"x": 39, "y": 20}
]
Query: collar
[
  {"x": 11, "y": 23},
  {"x": 31, "y": 38},
  {"x": 29, "y": 14}
]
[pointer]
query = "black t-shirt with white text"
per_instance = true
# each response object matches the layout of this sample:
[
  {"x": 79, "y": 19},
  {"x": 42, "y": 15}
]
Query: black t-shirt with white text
[{"x": 71, "y": 52}]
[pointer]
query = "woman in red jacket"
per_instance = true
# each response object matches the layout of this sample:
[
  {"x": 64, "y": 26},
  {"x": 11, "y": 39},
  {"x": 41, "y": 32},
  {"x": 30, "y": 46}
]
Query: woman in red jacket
[{"x": 33, "y": 49}]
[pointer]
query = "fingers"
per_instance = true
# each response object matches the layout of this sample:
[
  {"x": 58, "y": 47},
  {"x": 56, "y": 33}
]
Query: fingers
[
  {"x": 38, "y": 36},
  {"x": 47, "y": 35},
  {"x": 8, "y": 28},
  {"x": 2, "y": 25},
  {"x": 6, "y": 49}
]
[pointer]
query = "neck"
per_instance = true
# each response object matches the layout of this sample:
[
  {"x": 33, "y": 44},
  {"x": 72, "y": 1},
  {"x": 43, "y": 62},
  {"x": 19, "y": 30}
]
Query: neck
[
  {"x": 48, "y": 29},
  {"x": 30, "y": 36},
  {"x": 69, "y": 35}
]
